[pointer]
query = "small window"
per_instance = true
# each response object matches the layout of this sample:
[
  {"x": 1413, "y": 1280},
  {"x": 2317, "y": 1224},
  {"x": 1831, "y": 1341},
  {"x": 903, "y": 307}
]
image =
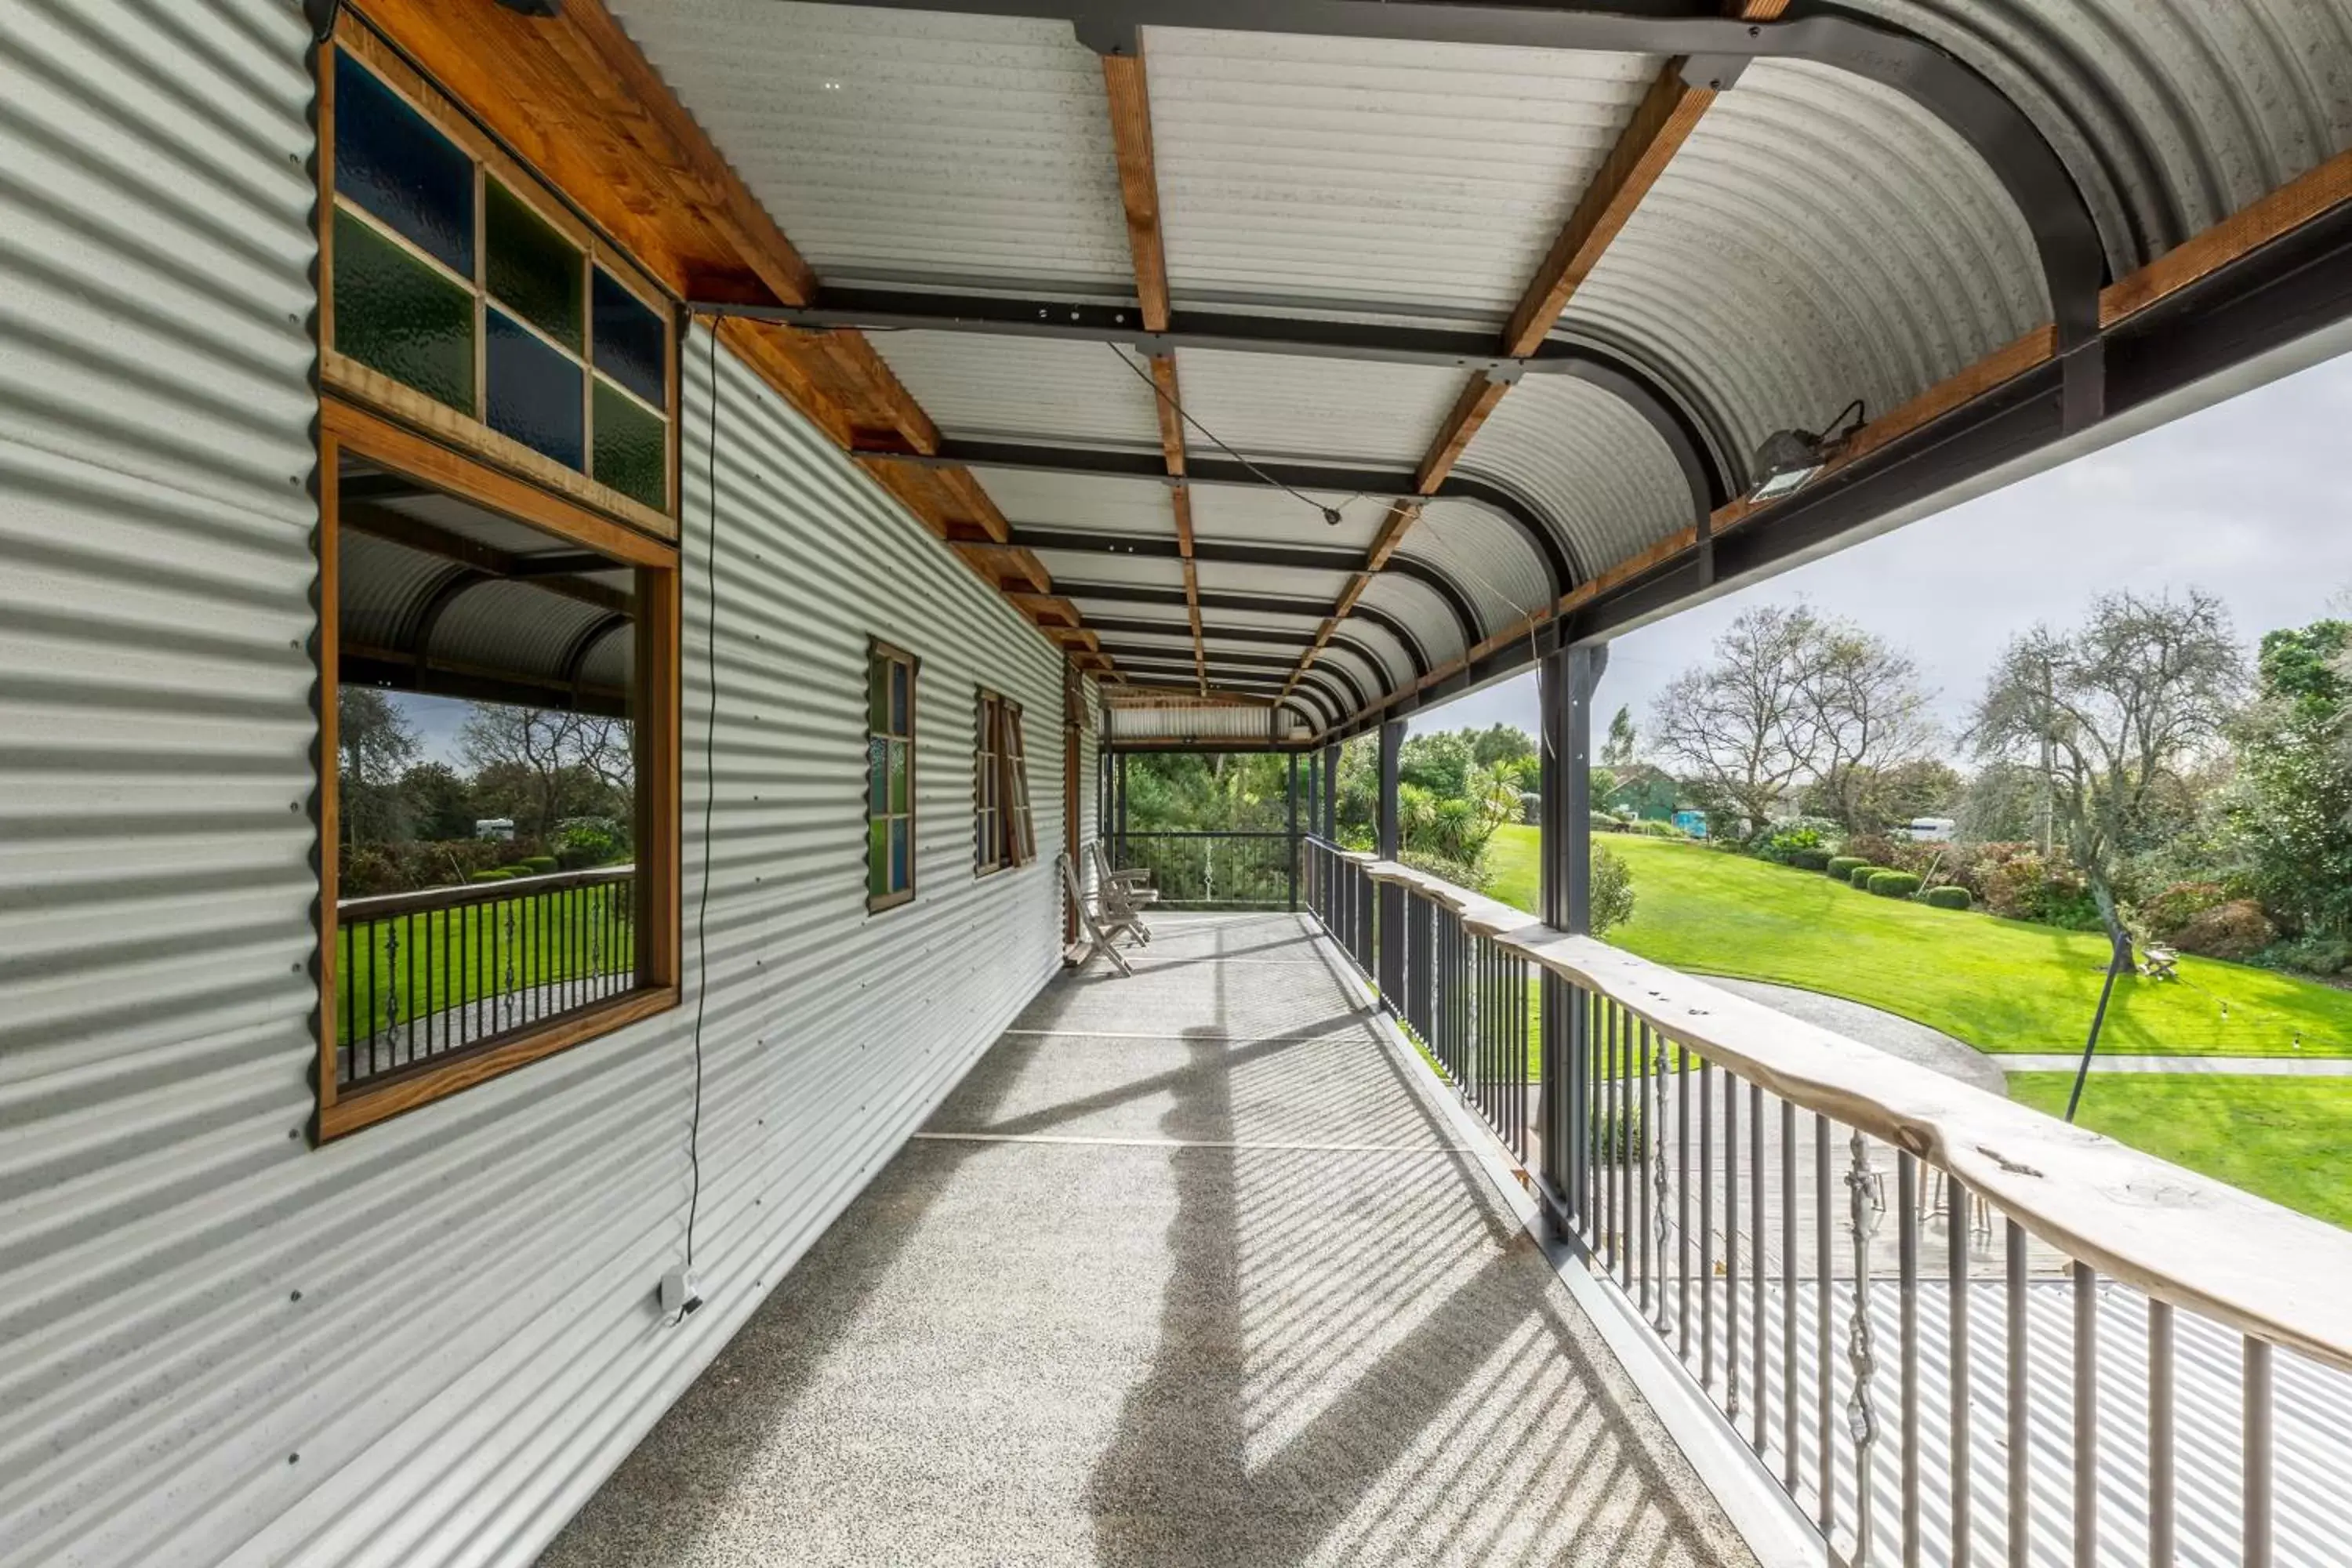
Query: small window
[
  {"x": 889, "y": 777},
  {"x": 455, "y": 286},
  {"x": 1003, "y": 832}
]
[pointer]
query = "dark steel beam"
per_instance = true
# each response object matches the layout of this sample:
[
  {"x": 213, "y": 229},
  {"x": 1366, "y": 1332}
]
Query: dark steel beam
[
  {"x": 1717, "y": 48},
  {"x": 899, "y": 310},
  {"x": 1387, "y": 484},
  {"x": 1141, "y": 594}
]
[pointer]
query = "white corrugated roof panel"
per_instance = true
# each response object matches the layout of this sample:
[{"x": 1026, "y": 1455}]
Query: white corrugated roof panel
[
  {"x": 1395, "y": 661},
  {"x": 1315, "y": 410},
  {"x": 1297, "y": 582},
  {"x": 905, "y": 144},
  {"x": 1264, "y": 515},
  {"x": 1491, "y": 561},
  {"x": 1110, "y": 566},
  {"x": 1587, "y": 461},
  {"x": 984, "y": 387},
  {"x": 1373, "y": 173},
  {"x": 1419, "y": 607},
  {"x": 1096, "y": 503},
  {"x": 1819, "y": 238}
]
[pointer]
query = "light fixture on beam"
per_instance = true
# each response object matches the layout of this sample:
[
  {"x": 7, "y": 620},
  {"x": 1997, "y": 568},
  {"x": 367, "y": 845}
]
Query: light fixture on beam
[{"x": 1789, "y": 459}]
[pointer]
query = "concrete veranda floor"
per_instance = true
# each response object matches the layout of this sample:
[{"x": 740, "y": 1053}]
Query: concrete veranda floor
[{"x": 1190, "y": 1270}]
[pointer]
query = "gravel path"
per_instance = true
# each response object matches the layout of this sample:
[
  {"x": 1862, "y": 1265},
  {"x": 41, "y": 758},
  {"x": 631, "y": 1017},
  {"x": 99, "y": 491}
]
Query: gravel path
[{"x": 1890, "y": 1033}]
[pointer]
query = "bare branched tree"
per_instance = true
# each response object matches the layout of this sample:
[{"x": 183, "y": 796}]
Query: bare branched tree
[
  {"x": 2109, "y": 716},
  {"x": 551, "y": 746},
  {"x": 1738, "y": 728},
  {"x": 1865, "y": 714}
]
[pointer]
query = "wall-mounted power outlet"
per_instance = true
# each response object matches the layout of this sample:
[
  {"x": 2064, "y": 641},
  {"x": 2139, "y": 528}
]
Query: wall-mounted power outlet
[{"x": 681, "y": 1294}]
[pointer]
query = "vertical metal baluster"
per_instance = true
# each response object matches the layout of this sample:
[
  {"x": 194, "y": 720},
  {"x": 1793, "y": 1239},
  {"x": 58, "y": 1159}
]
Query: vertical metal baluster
[
  {"x": 408, "y": 1002},
  {"x": 1654, "y": 1136},
  {"x": 344, "y": 939},
  {"x": 1825, "y": 1306},
  {"x": 2086, "y": 1416},
  {"x": 1955, "y": 1266},
  {"x": 2161, "y": 1545},
  {"x": 1907, "y": 1252},
  {"x": 1640, "y": 1167},
  {"x": 509, "y": 951},
  {"x": 1705, "y": 1223},
  {"x": 2020, "y": 1432},
  {"x": 2256, "y": 1549},
  {"x": 1731, "y": 1244},
  {"x": 1862, "y": 1415},
  {"x": 1621, "y": 1167},
  {"x": 1792, "y": 1416},
  {"x": 1761, "y": 1393},
  {"x": 1682, "y": 1193}
]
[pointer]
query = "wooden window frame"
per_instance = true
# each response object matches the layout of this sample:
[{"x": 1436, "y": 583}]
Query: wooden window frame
[
  {"x": 348, "y": 429},
  {"x": 897, "y": 657},
  {"x": 987, "y": 785},
  {"x": 1012, "y": 762},
  {"x": 362, "y": 383}
]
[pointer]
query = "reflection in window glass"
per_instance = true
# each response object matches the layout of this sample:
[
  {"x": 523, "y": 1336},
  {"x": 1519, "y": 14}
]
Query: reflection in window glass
[{"x": 891, "y": 778}]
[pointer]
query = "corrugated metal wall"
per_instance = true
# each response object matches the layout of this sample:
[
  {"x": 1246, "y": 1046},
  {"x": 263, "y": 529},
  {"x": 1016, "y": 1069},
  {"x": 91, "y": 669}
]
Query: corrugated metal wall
[{"x": 428, "y": 1343}]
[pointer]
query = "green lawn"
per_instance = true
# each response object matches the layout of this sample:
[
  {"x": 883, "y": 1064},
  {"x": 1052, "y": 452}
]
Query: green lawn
[
  {"x": 425, "y": 963},
  {"x": 2000, "y": 985},
  {"x": 2282, "y": 1138}
]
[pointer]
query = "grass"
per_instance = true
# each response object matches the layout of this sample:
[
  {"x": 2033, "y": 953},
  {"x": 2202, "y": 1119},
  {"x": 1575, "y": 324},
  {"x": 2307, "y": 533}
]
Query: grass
[
  {"x": 2000, "y": 985},
  {"x": 2281, "y": 1138}
]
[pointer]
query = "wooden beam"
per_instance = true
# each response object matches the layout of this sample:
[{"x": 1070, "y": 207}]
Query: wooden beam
[
  {"x": 1469, "y": 411},
  {"x": 1166, "y": 405},
  {"x": 1138, "y": 182}
]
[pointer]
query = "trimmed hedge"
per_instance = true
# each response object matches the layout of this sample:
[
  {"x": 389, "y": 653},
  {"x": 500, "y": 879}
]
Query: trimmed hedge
[
  {"x": 1808, "y": 859},
  {"x": 1893, "y": 884},
  {"x": 1860, "y": 874},
  {"x": 539, "y": 865},
  {"x": 1842, "y": 866},
  {"x": 1948, "y": 897},
  {"x": 492, "y": 877}
]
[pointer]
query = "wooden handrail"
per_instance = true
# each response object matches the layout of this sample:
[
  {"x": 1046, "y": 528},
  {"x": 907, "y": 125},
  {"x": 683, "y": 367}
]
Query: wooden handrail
[
  {"x": 2183, "y": 1238},
  {"x": 463, "y": 894}
]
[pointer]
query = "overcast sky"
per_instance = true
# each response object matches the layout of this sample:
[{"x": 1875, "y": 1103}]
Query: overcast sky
[{"x": 2249, "y": 500}]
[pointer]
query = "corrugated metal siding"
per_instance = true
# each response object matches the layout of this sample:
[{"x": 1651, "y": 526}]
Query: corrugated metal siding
[
  {"x": 1818, "y": 238},
  {"x": 1333, "y": 411},
  {"x": 1038, "y": 388},
  {"x": 1490, "y": 560},
  {"x": 1588, "y": 462},
  {"x": 1371, "y": 173},
  {"x": 474, "y": 1343},
  {"x": 896, "y": 145},
  {"x": 2171, "y": 114}
]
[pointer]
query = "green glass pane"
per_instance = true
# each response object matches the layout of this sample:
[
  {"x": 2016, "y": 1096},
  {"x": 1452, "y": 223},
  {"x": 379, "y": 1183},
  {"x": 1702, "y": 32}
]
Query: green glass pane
[
  {"x": 877, "y": 858},
  {"x": 395, "y": 314},
  {"x": 877, "y": 798},
  {"x": 878, "y": 694},
  {"x": 898, "y": 770},
  {"x": 531, "y": 269},
  {"x": 632, "y": 451},
  {"x": 902, "y": 871}
]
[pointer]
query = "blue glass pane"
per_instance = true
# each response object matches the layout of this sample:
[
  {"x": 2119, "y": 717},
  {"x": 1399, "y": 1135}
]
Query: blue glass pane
[
  {"x": 900, "y": 876},
  {"x": 629, "y": 342},
  {"x": 899, "y": 725},
  {"x": 390, "y": 161},
  {"x": 533, "y": 391}
]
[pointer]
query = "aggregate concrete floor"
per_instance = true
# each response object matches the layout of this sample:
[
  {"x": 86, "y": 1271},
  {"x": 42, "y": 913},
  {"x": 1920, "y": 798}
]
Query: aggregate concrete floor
[{"x": 1188, "y": 1271}]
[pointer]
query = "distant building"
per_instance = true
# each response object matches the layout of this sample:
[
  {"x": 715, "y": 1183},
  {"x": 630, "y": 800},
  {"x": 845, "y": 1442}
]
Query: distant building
[{"x": 1644, "y": 792}]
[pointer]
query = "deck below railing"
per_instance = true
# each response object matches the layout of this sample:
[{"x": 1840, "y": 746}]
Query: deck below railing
[{"x": 1952, "y": 1330}]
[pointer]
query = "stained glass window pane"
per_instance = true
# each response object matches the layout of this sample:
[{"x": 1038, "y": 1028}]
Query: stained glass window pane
[
  {"x": 901, "y": 872},
  {"x": 390, "y": 161},
  {"x": 898, "y": 699},
  {"x": 877, "y": 773},
  {"x": 534, "y": 392},
  {"x": 898, "y": 770},
  {"x": 530, "y": 268},
  {"x": 629, "y": 342},
  {"x": 395, "y": 314},
  {"x": 878, "y": 857},
  {"x": 632, "y": 447},
  {"x": 878, "y": 694}
]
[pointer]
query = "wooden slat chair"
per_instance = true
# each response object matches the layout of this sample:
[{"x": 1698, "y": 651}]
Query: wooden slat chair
[
  {"x": 1125, "y": 893},
  {"x": 1101, "y": 925}
]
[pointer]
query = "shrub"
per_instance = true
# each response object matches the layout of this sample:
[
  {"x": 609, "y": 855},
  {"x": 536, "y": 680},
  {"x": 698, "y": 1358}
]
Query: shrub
[
  {"x": 2313, "y": 953},
  {"x": 1604, "y": 823},
  {"x": 1466, "y": 874},
  {"x": 1894, "y": 884},
  {"x": 1947, "y": 898},
  {"x": 1860, "y": 874},
  {"x": 492, "y": 877},
  {"x": 584, "y": 841},
  {"x": 372, "y": 868},
  {"x": 1842, "y": 866},
  {"x": 1613, "y": 891},
  {"x": 1617, "y": 1135},
  {"x": 1659, "y": 830},
  {"x": 541, "y": 864},
  {"x": 2024, "y": 886},
  {"x": 2179, "y": 904},
  {"x": 2237, "y": 931},
  {"x": 1785, "y": 841}
]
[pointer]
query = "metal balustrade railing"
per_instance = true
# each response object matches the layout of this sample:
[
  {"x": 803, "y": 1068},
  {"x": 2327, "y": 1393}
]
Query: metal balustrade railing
[
  {"x": 1954, "y": 1331},
  {"x": 421, "y": 975},
  {"x": 1215, "y": 870}
]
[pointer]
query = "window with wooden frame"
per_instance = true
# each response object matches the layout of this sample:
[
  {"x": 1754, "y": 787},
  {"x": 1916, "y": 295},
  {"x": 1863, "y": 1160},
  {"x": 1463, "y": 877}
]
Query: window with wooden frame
[
  {"x": 889, "y": 777},
  {"x": 459, "y": 295},
  {"x": 498, "y": 462},
  {"x": 1002, "y": 832}
]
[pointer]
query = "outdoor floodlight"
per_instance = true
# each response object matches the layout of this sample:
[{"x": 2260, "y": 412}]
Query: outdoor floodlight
[{"x": 1789, "y": 458}]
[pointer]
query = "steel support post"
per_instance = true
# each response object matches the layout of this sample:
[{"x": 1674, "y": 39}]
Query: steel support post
[
  {"x": 1290, "y": 866},
  {"x": 1566, "y": 681},
  {"x": 1118, "y": 806},
  {"x": 1391, "y": 896}
]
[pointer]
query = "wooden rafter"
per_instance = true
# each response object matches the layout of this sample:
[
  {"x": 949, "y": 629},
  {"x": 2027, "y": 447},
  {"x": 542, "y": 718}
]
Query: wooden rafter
[
  {"x": 577, "y": 99},
  {"x": 1129, "y": 101}
]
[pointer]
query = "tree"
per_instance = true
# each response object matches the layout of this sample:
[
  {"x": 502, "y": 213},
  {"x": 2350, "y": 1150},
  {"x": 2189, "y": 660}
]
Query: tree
[
  {"x": 1499, "y": 745},
  {"x": 439, "y": 804},
  {"x": 2293, "y": 813},
  {"x": 2111, "y": 716},
  {"x": 373, "y": 742},
  {"x": 1864, "y": 716},
  {"x": 550, "y": 762},
  {"x": 1619, "y": 751},
  {"x": 1739, "y": 726}
]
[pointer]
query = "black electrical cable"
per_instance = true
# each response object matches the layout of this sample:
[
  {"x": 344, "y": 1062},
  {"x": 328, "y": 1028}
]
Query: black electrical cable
[
  {"x": 1330, "y": 514},
  {"x": 709, "y": 795}
]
